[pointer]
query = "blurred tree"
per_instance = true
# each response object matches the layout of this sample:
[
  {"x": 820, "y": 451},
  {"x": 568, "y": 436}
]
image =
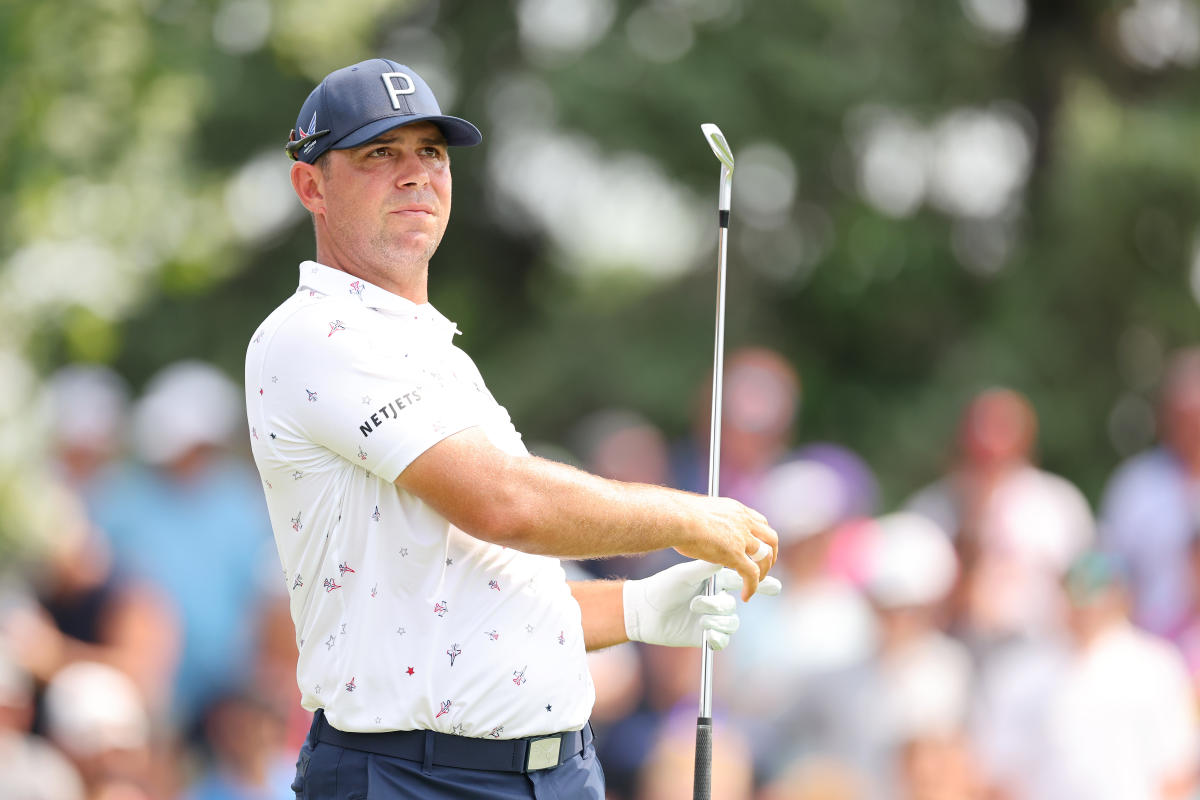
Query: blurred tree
[{"x": 930, "y": 198}]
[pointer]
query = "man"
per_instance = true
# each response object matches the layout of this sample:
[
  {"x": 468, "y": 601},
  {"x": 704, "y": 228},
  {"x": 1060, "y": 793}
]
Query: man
[
  {"x": 1148, "y": 512},
  {"x": 1110, "y": 715},
  {"x": 441, "y": 647},
  {"x": 1016, "y": 526}
]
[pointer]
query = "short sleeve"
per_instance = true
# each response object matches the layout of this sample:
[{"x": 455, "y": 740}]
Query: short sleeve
[{"x": 374, "y": 393}]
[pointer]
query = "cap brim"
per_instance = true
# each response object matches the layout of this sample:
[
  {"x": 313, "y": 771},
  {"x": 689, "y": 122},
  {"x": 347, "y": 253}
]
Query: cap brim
[{"x": 458, "y": 132}]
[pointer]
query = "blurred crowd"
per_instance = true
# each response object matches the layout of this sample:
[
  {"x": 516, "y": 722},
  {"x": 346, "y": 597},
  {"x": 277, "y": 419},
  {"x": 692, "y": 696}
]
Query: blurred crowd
[{"x": 991, "y": 637}]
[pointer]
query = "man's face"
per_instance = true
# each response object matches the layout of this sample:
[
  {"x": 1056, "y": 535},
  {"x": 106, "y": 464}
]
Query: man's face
[{"x": 385, "y": 204}]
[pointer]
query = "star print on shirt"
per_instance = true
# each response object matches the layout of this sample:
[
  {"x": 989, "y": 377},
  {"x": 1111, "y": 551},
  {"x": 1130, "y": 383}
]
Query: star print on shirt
[
  {"x": 404, "y": 552},
  {"x": 449, "y": 561},
  {"x": 273, "y": 436},
  {"x": 458, "y": 729},
  {"x": 409, "y": 670},
  {"x": 330, "y": 642},
  {"x": 547, "y": 706},
  {"x": 274, "y": 379},
  {"x": 529, "y": 629},
  {"x": 401, "y": 631}
]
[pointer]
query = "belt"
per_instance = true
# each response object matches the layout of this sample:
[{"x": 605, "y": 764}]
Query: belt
[{"x": 465, "y": 752}]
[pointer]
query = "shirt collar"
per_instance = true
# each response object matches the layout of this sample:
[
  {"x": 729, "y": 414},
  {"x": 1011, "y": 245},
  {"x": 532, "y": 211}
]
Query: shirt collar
[{"x": 336, "y": 283}]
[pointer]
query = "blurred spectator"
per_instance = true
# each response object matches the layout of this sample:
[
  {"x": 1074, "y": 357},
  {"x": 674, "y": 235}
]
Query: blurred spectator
[
  {"x": 81, "y": 610},
  {"x": 30, "y": 767},
  {"x": 819, "y": 622},
  {"x": 87, "y": 404},
  {"x": 1016, "y": 527},
  {"x": 914, "y": 688},
  {"x": 95, "y": 714},
  {"x": 814, "y": 778},
  {"x": 668, "y": 772},
  {"x": 1149, "y": 511},
  {"x": 1110, "y": 715},
  {"x": 272, "y": 677},
  {"x": 859, "y": 488},
  {"x": 939, "y": 768},
  {"x": 760, "y": 402},
  {"x": 192, "y": 521},
  {"x": 246, "y": 739},
  {"x": 669, "y": 682},
  {"x": 1187, "y": 635}
]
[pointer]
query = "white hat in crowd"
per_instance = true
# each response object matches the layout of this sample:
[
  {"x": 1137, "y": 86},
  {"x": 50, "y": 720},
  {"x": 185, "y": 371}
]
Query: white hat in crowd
[
  {"x": 909, "y": 561},
  {"x": 92, "y": 707},
  {"x": 88, "y": 403},
  {"x": 801, "y": 498},
  {"x": 187, "y": 404}
]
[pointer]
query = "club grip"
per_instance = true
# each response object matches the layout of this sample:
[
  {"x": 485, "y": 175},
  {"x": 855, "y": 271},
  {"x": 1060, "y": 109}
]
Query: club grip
[{"x": 702, "y": 784}]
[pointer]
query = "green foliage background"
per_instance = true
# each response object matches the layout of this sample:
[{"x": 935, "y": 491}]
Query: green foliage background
[{"x": 123, "y": 123}]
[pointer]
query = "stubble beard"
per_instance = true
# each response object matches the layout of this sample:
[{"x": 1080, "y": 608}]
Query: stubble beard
[{"x": 403, "y": 262}]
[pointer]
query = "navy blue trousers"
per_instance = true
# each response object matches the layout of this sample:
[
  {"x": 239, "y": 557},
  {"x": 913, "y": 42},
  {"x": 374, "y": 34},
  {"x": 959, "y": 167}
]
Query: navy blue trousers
[{"x": 329, "y": 772}]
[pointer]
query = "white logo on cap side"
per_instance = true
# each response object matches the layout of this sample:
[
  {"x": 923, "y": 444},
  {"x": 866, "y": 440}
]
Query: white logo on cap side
[{"x": 395, "y": 91}]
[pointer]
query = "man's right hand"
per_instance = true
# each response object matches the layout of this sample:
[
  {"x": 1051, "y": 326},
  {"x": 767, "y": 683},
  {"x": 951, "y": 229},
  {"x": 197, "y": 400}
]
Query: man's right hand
[{"x": 732, "y": 535}]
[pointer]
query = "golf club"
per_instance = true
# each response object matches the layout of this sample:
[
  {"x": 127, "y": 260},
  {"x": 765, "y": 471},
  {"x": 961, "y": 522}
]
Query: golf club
[{"x": 702, "y": 783}]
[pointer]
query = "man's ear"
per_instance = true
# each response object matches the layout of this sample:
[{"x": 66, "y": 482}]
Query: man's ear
[{"x": 308, "y": 181}]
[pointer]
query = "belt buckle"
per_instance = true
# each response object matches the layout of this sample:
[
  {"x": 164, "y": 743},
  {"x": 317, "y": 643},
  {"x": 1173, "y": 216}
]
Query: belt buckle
[{"x": 543, "y": 753}]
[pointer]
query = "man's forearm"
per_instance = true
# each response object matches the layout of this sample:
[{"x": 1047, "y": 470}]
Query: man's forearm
[
  {"x": 547, "y": 508},
  {"x": 603, "y": 612}
]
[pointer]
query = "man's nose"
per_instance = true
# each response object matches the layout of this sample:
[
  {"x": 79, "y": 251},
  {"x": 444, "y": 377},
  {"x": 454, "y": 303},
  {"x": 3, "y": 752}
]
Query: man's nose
[{"x": 412, "y": 171}]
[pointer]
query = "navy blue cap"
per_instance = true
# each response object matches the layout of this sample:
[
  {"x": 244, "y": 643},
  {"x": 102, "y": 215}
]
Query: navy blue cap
[{"x": 357, "y": 103}]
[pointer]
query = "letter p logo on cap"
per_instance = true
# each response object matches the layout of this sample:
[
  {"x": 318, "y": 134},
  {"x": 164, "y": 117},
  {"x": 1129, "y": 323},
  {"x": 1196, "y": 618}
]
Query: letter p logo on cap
[{"x": 394, "y": 91}]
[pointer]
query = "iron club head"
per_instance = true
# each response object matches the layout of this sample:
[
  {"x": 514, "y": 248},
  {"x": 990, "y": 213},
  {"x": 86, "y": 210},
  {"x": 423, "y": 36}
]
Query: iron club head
[{"x": 716, "y": 140}]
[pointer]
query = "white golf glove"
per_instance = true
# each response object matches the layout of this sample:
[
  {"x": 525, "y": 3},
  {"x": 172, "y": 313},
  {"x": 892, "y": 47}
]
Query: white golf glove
[{"x": 668, "y": 608}]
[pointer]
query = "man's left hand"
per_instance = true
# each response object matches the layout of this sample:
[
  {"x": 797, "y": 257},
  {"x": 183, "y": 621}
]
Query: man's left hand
[{"x": 669, "y": 608}]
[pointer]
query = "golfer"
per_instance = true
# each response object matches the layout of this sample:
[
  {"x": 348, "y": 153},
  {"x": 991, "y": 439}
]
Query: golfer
[{"x": 441, "y": 647}]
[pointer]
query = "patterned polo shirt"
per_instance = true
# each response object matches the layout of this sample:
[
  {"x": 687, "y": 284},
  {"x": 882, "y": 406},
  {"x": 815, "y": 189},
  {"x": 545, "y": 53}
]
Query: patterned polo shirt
[{"x": 403, "y": 621}]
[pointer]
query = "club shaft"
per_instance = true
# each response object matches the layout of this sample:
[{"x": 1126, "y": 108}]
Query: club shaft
[
  {"x": 702, "y": 783},
  {"x": 714, "y": 449}
]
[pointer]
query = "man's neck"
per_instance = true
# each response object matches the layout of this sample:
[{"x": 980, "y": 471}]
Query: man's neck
[{"x": 410, "y": 283}]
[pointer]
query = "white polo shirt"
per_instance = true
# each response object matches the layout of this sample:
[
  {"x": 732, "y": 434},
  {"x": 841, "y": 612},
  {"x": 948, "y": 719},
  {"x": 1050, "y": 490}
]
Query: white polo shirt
[{"x": 403, "y": 621}]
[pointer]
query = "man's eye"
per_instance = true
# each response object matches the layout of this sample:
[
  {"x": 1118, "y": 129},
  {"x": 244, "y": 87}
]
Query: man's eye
[{"x": 379, "y": 152}]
